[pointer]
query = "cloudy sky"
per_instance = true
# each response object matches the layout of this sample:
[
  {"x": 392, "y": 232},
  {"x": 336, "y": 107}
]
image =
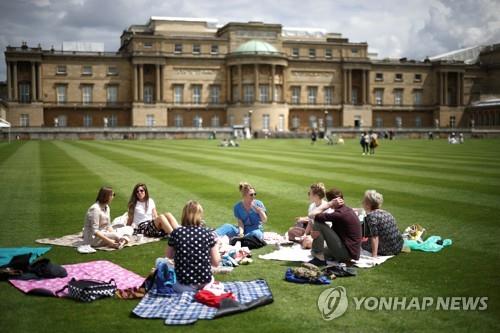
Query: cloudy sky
[{"x": 392, "y": 28}]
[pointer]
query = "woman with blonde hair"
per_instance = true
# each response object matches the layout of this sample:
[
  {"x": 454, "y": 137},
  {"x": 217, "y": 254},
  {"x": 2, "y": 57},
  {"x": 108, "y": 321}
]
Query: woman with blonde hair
[
  {"x": 193, "y": 248},
  {"x": 144, "y": 218},
  {"x": 384, "y": 238},
  {"x": 250, "y": 214},
  {"x": 303, "y": 226}
]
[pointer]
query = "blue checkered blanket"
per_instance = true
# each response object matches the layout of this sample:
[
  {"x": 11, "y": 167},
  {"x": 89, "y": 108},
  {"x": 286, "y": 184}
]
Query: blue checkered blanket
[{"x": 182, "y": 309}]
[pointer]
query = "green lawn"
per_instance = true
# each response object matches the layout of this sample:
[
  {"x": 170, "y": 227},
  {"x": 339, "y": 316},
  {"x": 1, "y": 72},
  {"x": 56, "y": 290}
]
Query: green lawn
[{"x": 452, "y": 190}]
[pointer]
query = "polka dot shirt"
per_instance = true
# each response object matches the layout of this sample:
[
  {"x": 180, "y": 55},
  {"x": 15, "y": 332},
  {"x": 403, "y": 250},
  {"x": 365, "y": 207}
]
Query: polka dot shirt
[{"x": 192, "y": 254}]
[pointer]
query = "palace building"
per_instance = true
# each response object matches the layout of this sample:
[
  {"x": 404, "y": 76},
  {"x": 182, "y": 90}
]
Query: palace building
[{"x": 192, "y": 73}]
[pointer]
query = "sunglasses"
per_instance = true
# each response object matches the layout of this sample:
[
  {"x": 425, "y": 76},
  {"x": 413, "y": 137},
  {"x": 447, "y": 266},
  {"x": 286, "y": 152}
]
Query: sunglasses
[
  {"x": 140, "y": 191},
  {"x": 253, "y": 194}
]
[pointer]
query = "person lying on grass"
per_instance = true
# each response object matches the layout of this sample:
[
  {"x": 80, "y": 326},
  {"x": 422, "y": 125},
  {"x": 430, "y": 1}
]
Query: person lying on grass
[
  {"x": 194, "y": 250},
  {"x": 97, "y": 230},
  {"x": 250, "y": 214},
  {"x": 343, "y": 238},
  {"x": 301, "y": 231},
  {"x": 385, "y": 238},
  {"x": 144, "y": 218}
]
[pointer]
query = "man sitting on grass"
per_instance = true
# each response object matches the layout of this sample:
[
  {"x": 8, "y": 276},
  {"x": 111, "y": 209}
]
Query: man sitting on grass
[{"x": 343, "y": 238}]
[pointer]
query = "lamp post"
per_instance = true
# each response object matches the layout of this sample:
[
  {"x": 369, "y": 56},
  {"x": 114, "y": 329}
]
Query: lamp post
[
  {"x": 326, "y": 125},
  {"x": 250, "y": 121}
]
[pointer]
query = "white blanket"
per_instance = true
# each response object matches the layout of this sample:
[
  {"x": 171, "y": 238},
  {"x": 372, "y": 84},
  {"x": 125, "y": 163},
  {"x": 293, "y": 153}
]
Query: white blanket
[{"x": 297, "y": 253}]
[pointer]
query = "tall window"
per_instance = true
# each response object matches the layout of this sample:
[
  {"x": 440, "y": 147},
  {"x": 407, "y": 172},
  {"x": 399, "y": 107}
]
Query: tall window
[
  {"x": 215, "y": 121},
  {"x": 112, "y": 94},
  {"x": 379, "y": 96},
  {"x": 86, "y": 94},
  {"x": 87, "y": 120},
  {"x": 418, "y": 121},
  {"x": 453, "y": 122},
  {"x": 329, "y": 95},
  {"x": 398, "y": 97},
  {"x": 248, "y": 93},
  {"x": 265, "y": 122},
  {"x": 178, "y": 48},
  {"x": 113, "y": 120},
  {"x": 312, "y": 93},
  {"x": 295, "y": 52},
  {"x": 313, "y": 122},
  {"x": 379, "y": 122},
  {"x": 24, "y": 120},
  {"x": 281, "y": 123},
  {"x": 61, "y": 94},
  {"x": 148, "y": 93},
  {"x": 246, "y": 121},
  {"x": 178, "y": 92},
  {"x": 295, "y": 122},
  {"x": 231, "y": 120},
  {"x": 417, "y": 97},
  {"x": 354, "y": 96},
  {"x": 328, "y": 53},
  {"x": 295, "y": 95},
  {"x": 150, "y": 120},
  {"x": 179, "y": 121},
  {"x": 196, "y": 48},
  {"x": 312, "y": 53},
  {"x": 214, "y": 49},
  {"x": 215, "y": 94},
  {"x": 329, "y": 121},
  {"x": 62, "y": 120},
  {"x": 196, "y": 94},
  {"x": 24, "y": 92},
  {"x": 264, "y": 93},
  {"x": 197, "y": 121}
]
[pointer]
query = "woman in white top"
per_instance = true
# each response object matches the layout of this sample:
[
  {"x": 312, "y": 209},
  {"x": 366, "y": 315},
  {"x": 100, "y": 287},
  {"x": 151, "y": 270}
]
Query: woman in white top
[
  {"x": 303, "y": 226},
  {"x": 144, "y": 218},
  {"x": 97, "y": 230}
]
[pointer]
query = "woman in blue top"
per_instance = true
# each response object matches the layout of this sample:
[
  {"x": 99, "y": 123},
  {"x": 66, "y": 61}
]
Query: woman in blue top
[{"x": 250, "y": 213}]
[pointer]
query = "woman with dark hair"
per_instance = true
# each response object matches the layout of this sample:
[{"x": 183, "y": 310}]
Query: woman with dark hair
[
  {"x": 97, "y": 230},
  {"x": 144, "y": 218},
  {"x": 250, "y": 214}
]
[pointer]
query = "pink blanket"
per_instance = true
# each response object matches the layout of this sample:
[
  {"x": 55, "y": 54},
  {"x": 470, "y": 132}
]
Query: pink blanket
[{"x": 95, "y": 270}]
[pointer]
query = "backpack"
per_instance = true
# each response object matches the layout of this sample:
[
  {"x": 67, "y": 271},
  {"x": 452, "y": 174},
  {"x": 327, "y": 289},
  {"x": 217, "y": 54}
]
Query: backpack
[{"x": 89, "y": 290}]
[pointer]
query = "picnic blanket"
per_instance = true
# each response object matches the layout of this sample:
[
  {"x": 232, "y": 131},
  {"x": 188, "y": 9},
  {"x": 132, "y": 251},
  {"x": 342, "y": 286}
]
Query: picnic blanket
[
  {"x": 297, "y": 253},
  {"x": 96, "y": 270},
  {"x": 182, "y": 309},
  {"x": 76, "y": 240},
  {"x": 7, "y": 253}
]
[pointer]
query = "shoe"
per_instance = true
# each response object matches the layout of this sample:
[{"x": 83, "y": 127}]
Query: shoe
[{"x": 317, "y": 262}]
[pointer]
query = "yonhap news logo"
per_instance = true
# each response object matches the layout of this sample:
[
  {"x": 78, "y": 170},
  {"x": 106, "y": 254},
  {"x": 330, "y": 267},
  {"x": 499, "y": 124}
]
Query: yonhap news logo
[{"x": 333, "y": 303}]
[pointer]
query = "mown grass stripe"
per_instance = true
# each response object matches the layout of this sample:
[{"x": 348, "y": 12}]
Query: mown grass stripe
[{"x": 23, "y": 165}]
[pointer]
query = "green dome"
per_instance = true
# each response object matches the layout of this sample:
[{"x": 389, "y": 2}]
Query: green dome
[{"x": 256, "y": 47}]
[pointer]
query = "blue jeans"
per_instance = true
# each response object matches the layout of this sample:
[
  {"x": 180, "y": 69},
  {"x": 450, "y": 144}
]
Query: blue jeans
[{"x": 231, "y": 231}]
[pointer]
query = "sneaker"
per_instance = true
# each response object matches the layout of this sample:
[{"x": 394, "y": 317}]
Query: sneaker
[{"x": 317, "y": 262}]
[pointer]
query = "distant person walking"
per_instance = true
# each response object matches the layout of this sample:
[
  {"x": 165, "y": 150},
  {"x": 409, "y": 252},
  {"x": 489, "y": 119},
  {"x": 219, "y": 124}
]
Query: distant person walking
[
  {"x": 363, "y": 141},
  {"x": 314, "y": 137},
  {"x": 373, "y": 142}
]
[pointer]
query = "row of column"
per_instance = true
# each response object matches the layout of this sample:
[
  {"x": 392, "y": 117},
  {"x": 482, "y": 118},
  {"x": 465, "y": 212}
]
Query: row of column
[
  {"x": 347, "y": 86},
  {"x": 138, "y": 84},
  {"x": 13, "y": 84},
  {"x": 256, "y": 82},
  {"x": 444, "y": 88}
]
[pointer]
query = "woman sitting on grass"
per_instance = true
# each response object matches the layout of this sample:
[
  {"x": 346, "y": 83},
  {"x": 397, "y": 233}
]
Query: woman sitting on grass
[
  {"x": 303, "y": 225},
  {"x": 385, "y": 238},
  {"x": 250, "y": 214},
  {"x": 193, "y": 248},
  {"x": 97, "y": 230},
  {"x": 143, "y": 217}
]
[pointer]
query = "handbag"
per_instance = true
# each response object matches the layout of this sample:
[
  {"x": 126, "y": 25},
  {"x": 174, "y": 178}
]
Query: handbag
[{"x": 89, "y": 290}]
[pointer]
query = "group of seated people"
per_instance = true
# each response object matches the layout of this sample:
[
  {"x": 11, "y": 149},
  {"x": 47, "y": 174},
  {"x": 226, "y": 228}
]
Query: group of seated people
[{"x": 331, "y": 229}]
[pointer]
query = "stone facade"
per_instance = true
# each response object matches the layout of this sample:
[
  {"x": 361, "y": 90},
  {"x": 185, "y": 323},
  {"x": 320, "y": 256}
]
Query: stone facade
[{"x": 189, "y": 73}]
